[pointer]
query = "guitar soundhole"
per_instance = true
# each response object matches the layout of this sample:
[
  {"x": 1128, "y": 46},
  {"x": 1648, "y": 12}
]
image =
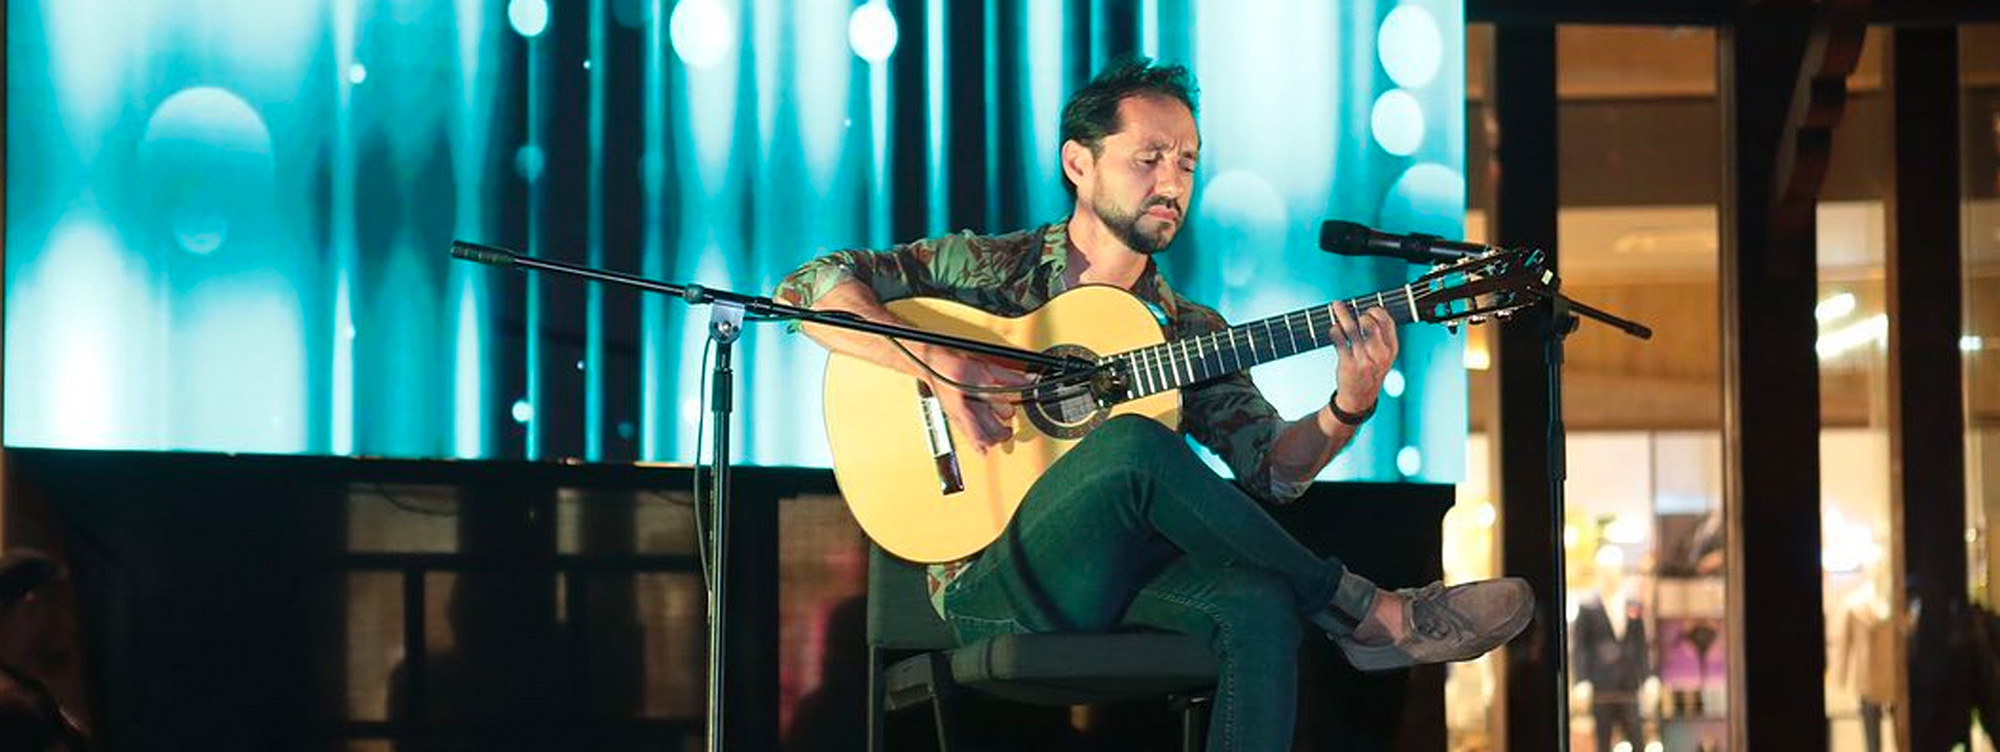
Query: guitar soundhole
[{"x": 1064, "y": 411}]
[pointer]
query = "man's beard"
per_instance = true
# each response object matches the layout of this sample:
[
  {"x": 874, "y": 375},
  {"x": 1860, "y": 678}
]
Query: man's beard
[{"x": 1125, "y": 225}]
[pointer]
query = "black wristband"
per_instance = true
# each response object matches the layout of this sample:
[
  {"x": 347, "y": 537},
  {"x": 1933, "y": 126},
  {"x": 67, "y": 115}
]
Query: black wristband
[{"x": 1352, "y": 419}]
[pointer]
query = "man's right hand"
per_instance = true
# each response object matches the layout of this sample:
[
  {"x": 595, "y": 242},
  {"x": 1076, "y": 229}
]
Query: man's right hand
[
  {"x": 987, "y": 419},
  {"x": 984, "y": 418}
]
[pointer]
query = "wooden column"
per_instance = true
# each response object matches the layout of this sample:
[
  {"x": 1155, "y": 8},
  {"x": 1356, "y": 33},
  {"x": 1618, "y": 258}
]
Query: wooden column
[
  {"x": 1926, "y": 397},
  {"x": 1524, "y": 105},
  {"x": 1775, "y": 638}
]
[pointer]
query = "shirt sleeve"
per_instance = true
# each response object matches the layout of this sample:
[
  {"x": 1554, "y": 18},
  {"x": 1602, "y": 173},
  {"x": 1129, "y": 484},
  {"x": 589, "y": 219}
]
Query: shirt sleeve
[
  {"x": 923, "y": 267},
  {"x": 1232, "y": 418}
]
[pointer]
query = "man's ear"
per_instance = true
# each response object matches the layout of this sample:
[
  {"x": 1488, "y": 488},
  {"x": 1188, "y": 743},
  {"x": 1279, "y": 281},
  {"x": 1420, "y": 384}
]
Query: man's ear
[{"x": 1077, "y": 162}]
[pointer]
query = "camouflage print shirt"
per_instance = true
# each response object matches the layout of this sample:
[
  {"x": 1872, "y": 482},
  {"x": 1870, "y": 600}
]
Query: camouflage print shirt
[{"x": 1012, "y": 274}]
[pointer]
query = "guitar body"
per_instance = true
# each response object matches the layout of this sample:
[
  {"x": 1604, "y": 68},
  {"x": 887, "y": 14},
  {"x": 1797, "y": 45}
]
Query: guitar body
[{"x": 902, "y": 493}]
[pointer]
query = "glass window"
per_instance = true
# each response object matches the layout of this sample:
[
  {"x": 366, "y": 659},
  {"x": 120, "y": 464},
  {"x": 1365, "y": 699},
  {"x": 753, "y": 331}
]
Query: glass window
[
  {"x": 1855, "y": 512},
  {"x": 1638, "y": 236},
  {"x": 1642, "y": 529}
]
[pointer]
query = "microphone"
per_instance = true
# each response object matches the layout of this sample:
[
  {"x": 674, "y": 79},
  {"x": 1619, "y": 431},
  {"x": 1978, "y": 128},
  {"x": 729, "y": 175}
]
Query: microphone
[
  {"x": 484, "y": 254},
  {"x": 1350, "y": 239}
]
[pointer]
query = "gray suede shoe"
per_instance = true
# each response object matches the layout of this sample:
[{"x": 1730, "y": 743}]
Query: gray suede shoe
[{"x": 1441, "y": 624}]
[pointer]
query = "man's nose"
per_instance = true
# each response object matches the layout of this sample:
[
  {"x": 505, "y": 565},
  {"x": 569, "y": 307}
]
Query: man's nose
[{"x": 1170, "y": 182}]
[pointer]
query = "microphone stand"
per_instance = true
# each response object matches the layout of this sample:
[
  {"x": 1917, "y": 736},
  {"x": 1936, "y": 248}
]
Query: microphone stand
[
  {"x": 1555, "y": 327},
  {"x": 727, "y": 314},
  {"x": 1559, "y": 321}
]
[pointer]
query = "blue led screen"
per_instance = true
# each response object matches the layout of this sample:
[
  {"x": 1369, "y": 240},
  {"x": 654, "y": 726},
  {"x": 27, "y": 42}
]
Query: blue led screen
[{"x": 227, "y": 219}]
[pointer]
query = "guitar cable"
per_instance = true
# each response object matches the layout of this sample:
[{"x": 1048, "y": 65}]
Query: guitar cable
[
  {"x": 1022, "y": 390},
  {"x": 701, "y": 531},
  {"x": 1074, "y": 380}
]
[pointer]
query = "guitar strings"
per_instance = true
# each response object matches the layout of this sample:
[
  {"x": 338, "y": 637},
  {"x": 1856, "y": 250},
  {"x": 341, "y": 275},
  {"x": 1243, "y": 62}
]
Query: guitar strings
[
  {"x": 1213, "y": 342},
  {"x": 1070, "y": 386}
]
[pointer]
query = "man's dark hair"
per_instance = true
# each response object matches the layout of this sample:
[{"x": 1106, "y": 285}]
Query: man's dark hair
[{"x": 1092, "y": 112}]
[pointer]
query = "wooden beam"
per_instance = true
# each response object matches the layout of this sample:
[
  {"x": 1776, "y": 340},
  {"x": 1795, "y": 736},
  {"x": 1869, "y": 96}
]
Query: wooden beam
[
  {"x": 1815, "y": 105},
  {"x": 1934, "y": 12},
  {"x": 1624, "y": 13},
  {"x": 1926, "y": 388},
  {"x": 1715, "y": 13},
  {"x": 1524, "y": 107}
]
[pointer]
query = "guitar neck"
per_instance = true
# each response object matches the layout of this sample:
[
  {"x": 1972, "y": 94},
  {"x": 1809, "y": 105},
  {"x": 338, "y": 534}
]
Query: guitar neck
[{"x": 1194, "y": 360}]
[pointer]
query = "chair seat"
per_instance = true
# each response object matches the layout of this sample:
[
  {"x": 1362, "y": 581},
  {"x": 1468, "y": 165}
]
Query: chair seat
[{"x": 1065, "y": 669}]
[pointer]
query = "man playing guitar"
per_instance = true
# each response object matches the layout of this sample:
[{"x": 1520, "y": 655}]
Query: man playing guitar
[{"x": 1129, "y": 528}]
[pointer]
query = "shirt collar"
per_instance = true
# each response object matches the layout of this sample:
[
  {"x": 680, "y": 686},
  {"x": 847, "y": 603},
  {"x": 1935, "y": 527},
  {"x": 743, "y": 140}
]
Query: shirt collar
[{"x": 1150, "y": 287}]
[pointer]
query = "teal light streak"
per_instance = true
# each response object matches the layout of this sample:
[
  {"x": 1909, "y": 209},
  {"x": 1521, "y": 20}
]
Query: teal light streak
[
  {"x": 470, "y": 284},
  {"x": 593, "y": 321},
  {"x": 878, "y": 155},
  {"x": 993, "y": 125},
  {"x": 1042, "y": 73},
  {"x": 340, "y": 410},
  {"x": 717, "y": 137},
  {"x": 653, "y": 262},
  {"x": 1149, "y": 28},
  {"x": 468, "y": 373},
  {"x": 935, "y": 74},
  {"x": 537, "y": 61}
]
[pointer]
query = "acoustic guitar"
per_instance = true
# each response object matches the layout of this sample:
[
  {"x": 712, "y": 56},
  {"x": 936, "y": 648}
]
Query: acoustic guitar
[{"x": 920, "y": 490}]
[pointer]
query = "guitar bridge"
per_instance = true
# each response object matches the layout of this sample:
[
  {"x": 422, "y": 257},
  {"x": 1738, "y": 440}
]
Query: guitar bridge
[{"x": 937, "y": 433}]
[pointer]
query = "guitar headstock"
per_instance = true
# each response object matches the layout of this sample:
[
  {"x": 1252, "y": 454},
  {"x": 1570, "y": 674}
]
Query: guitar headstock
[{"x": 1483, "y": 288}]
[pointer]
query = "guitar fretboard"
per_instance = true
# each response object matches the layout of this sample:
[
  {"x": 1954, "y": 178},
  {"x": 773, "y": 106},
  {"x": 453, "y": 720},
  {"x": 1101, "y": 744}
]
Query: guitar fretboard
[{"x": 1194, "y": 360}]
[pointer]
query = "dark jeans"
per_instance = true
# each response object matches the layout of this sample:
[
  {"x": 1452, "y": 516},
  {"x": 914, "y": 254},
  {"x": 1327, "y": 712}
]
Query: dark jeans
[
  {"x": 1620, "y": 714},
  {"x": 1130, "y": 529}
]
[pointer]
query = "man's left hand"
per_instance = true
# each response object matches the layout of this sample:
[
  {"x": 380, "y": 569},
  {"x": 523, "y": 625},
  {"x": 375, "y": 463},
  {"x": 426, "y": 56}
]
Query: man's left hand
[{"x": 1367, "y": 346}]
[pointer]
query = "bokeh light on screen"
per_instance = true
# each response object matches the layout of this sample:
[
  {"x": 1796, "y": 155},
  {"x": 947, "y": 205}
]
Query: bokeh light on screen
[
  {"x": 1397, "y": 122},
  {"x": 226, "y": 228},
  {"x": 1409, "y": 461},
  {"x": 1423, "y": 199},
  {"x": 528, "y": 17},
  {"x": 529, "y": 162},
  {"x": 702, "y": 32},
  {"x": 1410, "y": 46},
  {"x": 872, "y": 32},
  {"x": 1251, "y": 213},
  {"x": 206, "y": 159}
]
